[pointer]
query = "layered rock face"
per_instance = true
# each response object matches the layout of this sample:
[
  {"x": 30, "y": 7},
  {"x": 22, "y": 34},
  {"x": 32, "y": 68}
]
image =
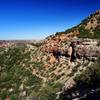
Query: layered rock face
[
  {"x": 84, "y": 49},
  {"x": 88, "y": 48}
]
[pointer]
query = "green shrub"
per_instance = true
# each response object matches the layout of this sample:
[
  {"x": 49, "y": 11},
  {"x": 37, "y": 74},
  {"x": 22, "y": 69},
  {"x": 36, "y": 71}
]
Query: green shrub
[
  {"x": 97, "y": 33},
  {"x": 84, "y": 33}
]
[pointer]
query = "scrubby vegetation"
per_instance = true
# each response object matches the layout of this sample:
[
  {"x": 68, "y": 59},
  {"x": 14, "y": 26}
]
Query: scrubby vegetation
[
  {"x": 97, "y": 33},
  {"x": 84, "y": 33},
  {"x": 16, "y": 79},
  {"x": 13, "y": 75}
]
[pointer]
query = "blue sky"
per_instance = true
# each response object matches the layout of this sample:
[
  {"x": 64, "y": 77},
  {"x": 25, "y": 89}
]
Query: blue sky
[{"x": 36, "y": 19}]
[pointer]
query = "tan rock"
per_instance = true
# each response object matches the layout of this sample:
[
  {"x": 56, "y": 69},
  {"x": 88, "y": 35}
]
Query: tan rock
[
  {"x": 52, "y": 59},
  {"x": 69, "y": 84}
]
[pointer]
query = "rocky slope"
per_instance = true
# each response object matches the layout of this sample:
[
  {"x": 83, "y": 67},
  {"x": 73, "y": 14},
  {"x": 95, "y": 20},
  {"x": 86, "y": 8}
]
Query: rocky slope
[
  {"x": 30, "y": 71},
  {"x": 88, "y": 28}
]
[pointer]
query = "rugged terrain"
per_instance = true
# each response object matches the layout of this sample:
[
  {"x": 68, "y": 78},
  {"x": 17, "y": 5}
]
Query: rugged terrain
[{"x": 30, "y": 71}]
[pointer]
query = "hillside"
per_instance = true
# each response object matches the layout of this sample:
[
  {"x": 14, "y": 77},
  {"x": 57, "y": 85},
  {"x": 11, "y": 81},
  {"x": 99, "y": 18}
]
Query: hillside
[
  {"x": 88, "y": 28},
  {"x": 31, "y": 71},
  {"x": 23, "y": 73}
]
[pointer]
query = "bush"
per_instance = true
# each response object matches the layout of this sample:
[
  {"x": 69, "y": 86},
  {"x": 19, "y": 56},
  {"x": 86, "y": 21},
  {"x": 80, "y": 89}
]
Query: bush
[
  {"x": 49, "y": 91},
  {"x": 84, "y": 33},
  {"x": 97, "y": 33}
]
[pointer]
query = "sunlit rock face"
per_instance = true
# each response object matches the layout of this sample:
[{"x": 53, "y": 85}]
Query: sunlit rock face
[{"x": 88, "y": 47}]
